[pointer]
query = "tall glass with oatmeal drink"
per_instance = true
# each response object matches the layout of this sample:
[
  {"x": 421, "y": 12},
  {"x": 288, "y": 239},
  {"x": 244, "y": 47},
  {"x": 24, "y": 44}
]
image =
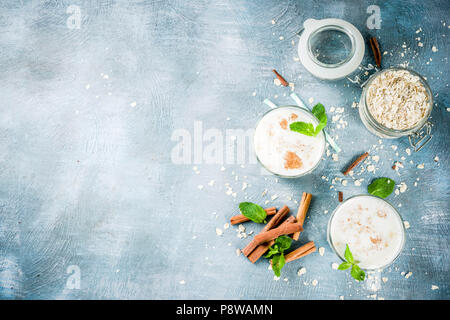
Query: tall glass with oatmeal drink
[
  {"x": 284, "y": 152},
  {"x": 372, "y": 229}
]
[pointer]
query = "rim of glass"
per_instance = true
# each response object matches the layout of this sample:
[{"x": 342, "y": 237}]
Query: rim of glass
[
  {"x": 323, "y": 143},
  {"x": 332, "y": 27},
  {"x": 403, "y": 132},
  {"x": 398, "y": 216}
]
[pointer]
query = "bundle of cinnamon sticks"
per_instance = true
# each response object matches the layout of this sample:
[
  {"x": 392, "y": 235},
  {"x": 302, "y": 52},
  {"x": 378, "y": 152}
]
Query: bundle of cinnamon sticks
[{"x": 279, "y": 225}]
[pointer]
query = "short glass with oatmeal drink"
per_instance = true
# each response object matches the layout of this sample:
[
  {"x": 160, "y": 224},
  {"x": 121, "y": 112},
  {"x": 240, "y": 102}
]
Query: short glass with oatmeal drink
[
  {"x": 372, "y": 229},
  {"x": 284, "y": 152}
]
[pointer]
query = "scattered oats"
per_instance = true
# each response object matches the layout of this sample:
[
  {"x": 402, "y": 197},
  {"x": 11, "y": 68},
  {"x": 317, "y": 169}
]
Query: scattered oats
[
  {"x": 394, "y": 147},
  {"x": 335, "y": 157},
  {"x": 211, "y": 183},
  {"x": 276, "y": 278},
  {"x": 397, "y": 192},
  {"x": 384, "y": 279},
  {"x": 321, "y": 251},
  {"x": 238, "y": 252},
  {"x": 277, "y": 82},
  {"x": 434, "y": 49},
  {"x": 244, "y": 185},
  {"x": 403, "y": 187},
  {"x": 182, "y": 282},
  {"x": 241, "y": 228},
  {"x": 357, "y": 183},
  {"x": 228, "y": 119},
  {"x": 264, "y": 193},
  {"x": 325, "y": 211},
  {"x": 344, "y": 182},
  {"x": 226, "y": 226},
  {"x": 409, "y": 274},
  {"x": 200, "y": 187},
  {"x": 301, "y": 271},
  {"x": 406, "y": 224},
  {"x": 219, "y": 232},
  {"x": 408, "y": 151},
  {"x": 105, "y": 76},
  {"x": 335, "y": 266},
  {"x": 371, "y": 168},
  {"x": 419, "y": 30},
  {"x": 88, "y": 86},
  {"x": 341, "y": 297},
  {"x": 311, "y": 100},
  {"x": 402, "y": 273},
  {"x": 436, "y": 159},
  {"x": 354, "y": 104},
  {"x": 273, "y": 21},
  {"x": 254, "y": 93},
  {"x": 420, "y": 44},
  {"x": 222, "y": 169},
  {"x": 434, "y": 287},
  {"x": 421, "y": 166},
  {"x": 314, "y": 282},
  {"x": 376, "y": 158},
  {"x": 273, "y": 197},
  {"x": 281, "y": 38}
]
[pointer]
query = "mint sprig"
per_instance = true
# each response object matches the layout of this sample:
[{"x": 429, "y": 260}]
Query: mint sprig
[
  {"x": 308, "y": 128},
  {"x": 276, "y": 251},
  {"x": 253, "y": 212},
  {"x": 356, "y": 271},
  {"x": 381, "y": 187}
]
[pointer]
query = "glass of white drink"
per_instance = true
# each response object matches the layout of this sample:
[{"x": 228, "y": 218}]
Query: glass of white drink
[
  {"x": 372, "y": 229},
  {"x": 283, "y": 152}
]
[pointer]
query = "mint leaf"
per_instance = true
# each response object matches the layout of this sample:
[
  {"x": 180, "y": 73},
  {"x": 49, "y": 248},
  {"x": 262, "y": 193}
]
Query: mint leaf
[
  {"x": 303, "y": 128},
  {"x": 381, "y": 187},
  {"x": 344, "y": 265},
  {"x": 284, "y": 242},
  {"x": 348, "y": 255},
  {"x": 319, "y": 112},
  {"x": 278, "y": 263},
  {"x": 272, "y": 251},
  {"x": 253, "y": 211},
  {"x": 357, "y": 273},
  {"x": 308, "y": 128}
]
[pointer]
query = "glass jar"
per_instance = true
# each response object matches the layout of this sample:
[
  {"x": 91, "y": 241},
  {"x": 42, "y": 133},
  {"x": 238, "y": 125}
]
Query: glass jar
[
  {"x": 397, "y": 215},
  {"x": 419, "y": 134},
  {"x": 320, "y": 136}
]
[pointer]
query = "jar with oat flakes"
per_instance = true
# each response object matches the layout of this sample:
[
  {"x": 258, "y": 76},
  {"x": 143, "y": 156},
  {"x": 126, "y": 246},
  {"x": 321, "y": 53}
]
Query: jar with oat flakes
[{"x": 397, "y": 102}]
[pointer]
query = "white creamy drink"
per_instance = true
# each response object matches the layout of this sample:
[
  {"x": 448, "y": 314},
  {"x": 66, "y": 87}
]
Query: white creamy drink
[
  {"x": 371, "y": 227},
  {"x": 285, "y": 152}
]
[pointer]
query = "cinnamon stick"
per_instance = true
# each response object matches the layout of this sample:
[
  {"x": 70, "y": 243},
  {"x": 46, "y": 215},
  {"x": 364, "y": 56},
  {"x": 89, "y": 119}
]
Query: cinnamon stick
[
  {"x": 298, "y": 253},
  {"x": 302, "y": 210},
  {"x": 278, "y": 231},
  {"x": 262, "y": 248},
  {"x": 241, "y": 218},
  {"x": 282, "y": 80},
  {"x": 271, "y": 224},
  {"x": 356, "y": 162},
  {"x": 375, "y": 50}
]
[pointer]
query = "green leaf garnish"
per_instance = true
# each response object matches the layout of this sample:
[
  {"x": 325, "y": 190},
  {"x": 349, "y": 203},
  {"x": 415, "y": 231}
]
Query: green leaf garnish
[
  {"x": 278, "y": 263},
  {"x": 277, "y": 251},
  {"x": 348, "y": 255},
  {"x": 308, "y": 128},
  {"x": 253, "y": 212},
  {"x": 381, "y": 187},
  {"x": 356, "y": 271}
]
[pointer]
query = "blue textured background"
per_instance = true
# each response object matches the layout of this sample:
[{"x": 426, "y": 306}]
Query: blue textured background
[{"x": 87, "y": 180}]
